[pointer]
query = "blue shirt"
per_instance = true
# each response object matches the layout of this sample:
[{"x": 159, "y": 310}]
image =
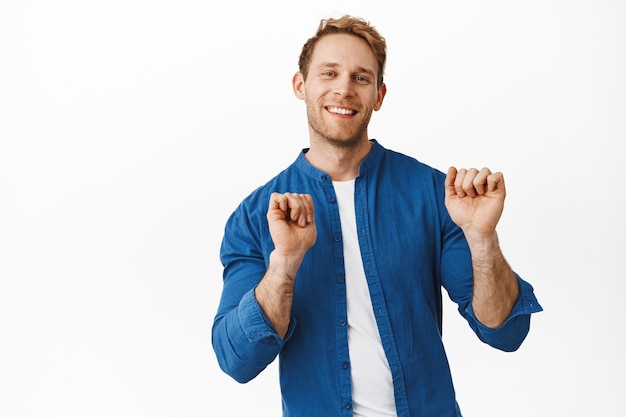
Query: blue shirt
[{"x": 410, "y": 248}]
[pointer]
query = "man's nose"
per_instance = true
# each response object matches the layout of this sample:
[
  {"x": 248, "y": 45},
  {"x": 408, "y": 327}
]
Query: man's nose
[{"x": 344, "y": 86}]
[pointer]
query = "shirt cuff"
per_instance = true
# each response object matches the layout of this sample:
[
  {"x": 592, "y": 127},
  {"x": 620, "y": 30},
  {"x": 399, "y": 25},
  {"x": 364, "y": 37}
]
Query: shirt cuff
[
  {"x": 256, "y": 326},
  {"x": 510, "y": 334}
]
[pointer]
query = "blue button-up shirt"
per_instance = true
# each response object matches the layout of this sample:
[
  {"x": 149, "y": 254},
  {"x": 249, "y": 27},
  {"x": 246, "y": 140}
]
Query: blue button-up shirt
[{"x": 410, "y": 249}]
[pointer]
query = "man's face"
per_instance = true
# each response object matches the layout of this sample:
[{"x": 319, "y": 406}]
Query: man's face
[{"x": 341, "y": 89}]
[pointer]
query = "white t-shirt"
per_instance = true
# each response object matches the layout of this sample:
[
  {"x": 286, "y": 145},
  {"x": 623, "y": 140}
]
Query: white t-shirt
[{"x": 372, "y": 384}]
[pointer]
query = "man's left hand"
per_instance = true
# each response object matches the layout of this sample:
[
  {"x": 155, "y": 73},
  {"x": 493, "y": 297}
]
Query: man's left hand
[{"x": 475, "y": 199}]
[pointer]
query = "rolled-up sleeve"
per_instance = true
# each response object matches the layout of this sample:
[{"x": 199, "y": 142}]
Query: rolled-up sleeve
[
  {"x": 510, "y": 334},
  {"x": 244, "y": 340}
]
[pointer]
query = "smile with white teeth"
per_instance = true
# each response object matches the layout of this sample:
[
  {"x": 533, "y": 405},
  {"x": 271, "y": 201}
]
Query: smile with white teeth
[{"x": 338, "y": 110}]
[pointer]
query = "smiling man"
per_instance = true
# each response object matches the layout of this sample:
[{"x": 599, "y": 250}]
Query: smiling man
[
  {"x": 337, "y": 264},
  {"x": 341, "y": 89}
]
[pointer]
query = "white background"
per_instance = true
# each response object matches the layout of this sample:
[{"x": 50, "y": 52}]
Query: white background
[{"x": 129, "y": 130}]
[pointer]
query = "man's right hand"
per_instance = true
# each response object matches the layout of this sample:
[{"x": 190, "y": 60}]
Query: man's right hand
[{"x": 291, "y": 219}]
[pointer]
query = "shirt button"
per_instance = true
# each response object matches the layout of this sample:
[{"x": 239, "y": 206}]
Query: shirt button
[
  {"x": 344, "y": 365},
  {"x": 337, "y": 238},
  {"x": 324, "y": 178},
  {"x": 347, "y": 406},
  {"x": 340, "y": 280},
  {"x": 342, "y": 323},
  {"x": 331, "y": 200}
]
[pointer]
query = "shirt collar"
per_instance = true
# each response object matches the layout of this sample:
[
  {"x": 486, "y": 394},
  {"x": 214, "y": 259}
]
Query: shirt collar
[{"x": 370, "y": 160}]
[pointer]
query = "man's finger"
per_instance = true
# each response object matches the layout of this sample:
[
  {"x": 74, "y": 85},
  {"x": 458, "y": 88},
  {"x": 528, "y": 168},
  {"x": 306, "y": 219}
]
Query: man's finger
[
  {"x": 469, "y": 184},
  {"x": 480, "y": 182},
  {"x": 450, "y": 181},
  {"x": 495, "y": 181}
]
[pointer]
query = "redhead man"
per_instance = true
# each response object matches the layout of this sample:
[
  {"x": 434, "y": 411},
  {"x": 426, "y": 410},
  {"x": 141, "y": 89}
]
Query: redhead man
[{"x": 337, "y": 264}]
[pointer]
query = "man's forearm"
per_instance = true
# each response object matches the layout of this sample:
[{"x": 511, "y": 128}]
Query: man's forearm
[
  {"x": 275, "y": 291},
  {"x": 495, "y": 285}
]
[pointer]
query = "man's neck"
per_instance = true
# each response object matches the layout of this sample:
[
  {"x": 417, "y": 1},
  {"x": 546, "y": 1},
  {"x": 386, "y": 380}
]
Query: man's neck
[{"x": 341, "y": 163}]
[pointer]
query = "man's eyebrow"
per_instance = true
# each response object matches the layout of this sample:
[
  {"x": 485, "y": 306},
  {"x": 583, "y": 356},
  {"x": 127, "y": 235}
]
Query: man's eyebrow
[
  {"x": 367, "y": 71},
  {"x": 328, "y": 64}
]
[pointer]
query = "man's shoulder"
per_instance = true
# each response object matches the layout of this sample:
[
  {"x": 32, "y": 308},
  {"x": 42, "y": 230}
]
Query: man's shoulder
[{"x": 399, "y": 160}]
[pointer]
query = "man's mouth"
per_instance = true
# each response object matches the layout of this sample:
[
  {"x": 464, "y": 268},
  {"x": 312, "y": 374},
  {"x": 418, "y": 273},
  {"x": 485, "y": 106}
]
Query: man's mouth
[{"x": 342, "y": 111}]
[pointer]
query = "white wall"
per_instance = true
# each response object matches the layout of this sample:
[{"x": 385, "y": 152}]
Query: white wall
[{"x": 129, "y": 130}]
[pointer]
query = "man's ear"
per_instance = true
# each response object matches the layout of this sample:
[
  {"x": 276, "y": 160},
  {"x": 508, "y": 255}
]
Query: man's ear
[
  {"x": 298, "y": 85},
  {"x": 382, "y": 90}
]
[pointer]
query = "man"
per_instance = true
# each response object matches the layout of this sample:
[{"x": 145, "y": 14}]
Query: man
[{"x": 337, "y": 263}]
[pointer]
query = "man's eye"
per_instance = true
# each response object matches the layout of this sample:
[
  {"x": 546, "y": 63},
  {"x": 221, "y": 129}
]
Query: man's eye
[
  {"x": 361, "y": 79},
  {"x": 328, "y": 74}
]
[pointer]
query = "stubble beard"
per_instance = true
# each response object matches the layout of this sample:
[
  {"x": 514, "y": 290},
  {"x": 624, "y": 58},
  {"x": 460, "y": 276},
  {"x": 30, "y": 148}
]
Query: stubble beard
[{"x": 334, "y": 137}]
